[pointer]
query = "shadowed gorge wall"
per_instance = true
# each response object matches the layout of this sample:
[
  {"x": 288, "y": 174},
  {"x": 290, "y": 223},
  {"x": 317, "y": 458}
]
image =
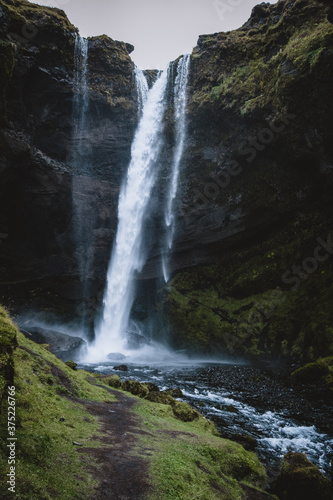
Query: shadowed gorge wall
[{"x": 255, "y": 179}]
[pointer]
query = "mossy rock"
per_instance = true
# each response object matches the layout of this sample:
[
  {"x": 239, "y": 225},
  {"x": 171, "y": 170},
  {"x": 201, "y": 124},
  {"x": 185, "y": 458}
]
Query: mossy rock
[
  {"x": 299, "y": 478},
  {"x": 135, "y": 388},
  {"x": 248, "y": 442},
  {"x": 152, "y": 387},
  {"x": 160, "y": 397},
  {"x": 184, "y": 412},
  {"x": 70, "y": 363},
  {"x": 322, "y": 369},
  {"x": 113, "y": 381},
  {"x": 175, "y": 393}
]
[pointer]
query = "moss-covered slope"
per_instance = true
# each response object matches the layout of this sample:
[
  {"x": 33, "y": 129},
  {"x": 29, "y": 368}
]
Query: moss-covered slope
[{"x": 54, "y": 410}]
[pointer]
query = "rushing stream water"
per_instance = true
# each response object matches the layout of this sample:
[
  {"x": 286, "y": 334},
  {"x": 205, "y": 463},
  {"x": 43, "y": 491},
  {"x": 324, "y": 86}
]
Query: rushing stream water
[{"x": 245, "y": 400}]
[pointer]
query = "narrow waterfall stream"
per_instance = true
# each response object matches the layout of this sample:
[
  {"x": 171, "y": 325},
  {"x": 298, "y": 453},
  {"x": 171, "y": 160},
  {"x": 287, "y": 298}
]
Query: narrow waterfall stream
[
  {"x": 81, "y": 233},
  {"x": 127, "y": 255},
  {"x": 180, "y": 94}
]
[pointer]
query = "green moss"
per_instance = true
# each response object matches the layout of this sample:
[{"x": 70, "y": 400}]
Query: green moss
[
  {"x": 135, "y": 387},
  {"x": 8, "y": 343},
  {"x": 184, "y": 412},
  {"x": 322, "y": 369},
  {"x": 299, "y": 478},
  {"x": 46, "y": 458},
  {"x": 201, "y": 465},
  {"x": 250, "y": 70},
  {"x": 112, "y": 381},
  {"x": 71, "y": 364},
  {"x": 241, "y": 305}
]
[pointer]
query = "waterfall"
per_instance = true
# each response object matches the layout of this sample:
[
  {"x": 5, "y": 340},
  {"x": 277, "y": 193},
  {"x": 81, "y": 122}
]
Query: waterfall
[
  {"x": 180, "y": 94},
  {"x": 80, "y": 101},
  {"x": 142, "y": 89},
  {"x": 127, "y": 255},
  {"x": 79, "y": 166}
]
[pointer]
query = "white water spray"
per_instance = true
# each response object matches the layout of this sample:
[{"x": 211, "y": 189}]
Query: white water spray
[
  {"x": 127, "y": 256},
  {"x": 180, "y": 135}
]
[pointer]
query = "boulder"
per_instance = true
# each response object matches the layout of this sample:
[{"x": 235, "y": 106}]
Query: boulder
[
  {"x": 135, "y": 388},
  {"x": 175, "y": 393},
  {"x": 71, "y": 364},
  {"x": 153, "y": 387},
  {"x": 112, "y": 381},
  {"x": 64, "y": 346},
  {"x": 160, "y": 397},
  {"x": 184, "y": 412},
  {"x": 299, "y": 478},
  {"x": 121, "y": 368}
]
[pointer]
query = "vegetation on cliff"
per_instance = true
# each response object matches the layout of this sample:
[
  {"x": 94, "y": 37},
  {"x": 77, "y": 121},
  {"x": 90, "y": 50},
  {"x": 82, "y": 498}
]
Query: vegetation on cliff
[{"x": 257, "y": 190}]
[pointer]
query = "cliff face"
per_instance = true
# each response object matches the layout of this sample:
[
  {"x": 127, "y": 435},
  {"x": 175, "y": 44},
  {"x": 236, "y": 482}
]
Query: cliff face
[
  {"x": 252, "y": 252},
  {"x": 256, "y": 189},
  {"x": 39, "y": 185}
]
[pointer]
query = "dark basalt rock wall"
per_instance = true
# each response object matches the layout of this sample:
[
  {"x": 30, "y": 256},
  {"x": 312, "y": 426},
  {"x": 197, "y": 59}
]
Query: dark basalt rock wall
[
  {"x": 38, "y": 257},
  {"x": 256, "y": 189}
]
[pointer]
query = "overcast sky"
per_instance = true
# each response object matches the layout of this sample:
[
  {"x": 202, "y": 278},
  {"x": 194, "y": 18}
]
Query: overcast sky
[{"x": 160, "y": 30}]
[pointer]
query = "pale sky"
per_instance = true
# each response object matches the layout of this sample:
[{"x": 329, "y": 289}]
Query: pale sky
[{"x": 160, "y": 30}]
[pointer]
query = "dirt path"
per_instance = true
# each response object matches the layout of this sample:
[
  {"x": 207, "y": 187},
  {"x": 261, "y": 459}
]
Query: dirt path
[{"x": 121, "y": 473}]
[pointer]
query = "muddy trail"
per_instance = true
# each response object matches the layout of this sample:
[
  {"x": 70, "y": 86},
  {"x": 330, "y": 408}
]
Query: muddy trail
[{"x": 121, "y": 472}]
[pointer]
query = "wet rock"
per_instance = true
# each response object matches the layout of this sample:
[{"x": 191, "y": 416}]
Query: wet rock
[
  {"x": 112, "y": 381},
  {"x": 135, "y": 388},
  {"x": 121, "y": 368},
  {"x": 61, "y": 345},
  {"x": 228, "y": 408},
  {"x": 299, "y": 478}
]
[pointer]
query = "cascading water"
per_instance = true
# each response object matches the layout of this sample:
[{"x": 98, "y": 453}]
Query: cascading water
[
  {"x": 142, "y": 89},
  {"x": 127, "y": 256},
  {"x": 80, "y": 101},
  {"x": 78, "y": 164},
  {"x": 180, "y": 93}
]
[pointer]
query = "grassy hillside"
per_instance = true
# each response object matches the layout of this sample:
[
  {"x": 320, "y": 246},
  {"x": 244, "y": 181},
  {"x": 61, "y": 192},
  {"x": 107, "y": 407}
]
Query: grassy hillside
[{"x": 54, "y": 408}]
